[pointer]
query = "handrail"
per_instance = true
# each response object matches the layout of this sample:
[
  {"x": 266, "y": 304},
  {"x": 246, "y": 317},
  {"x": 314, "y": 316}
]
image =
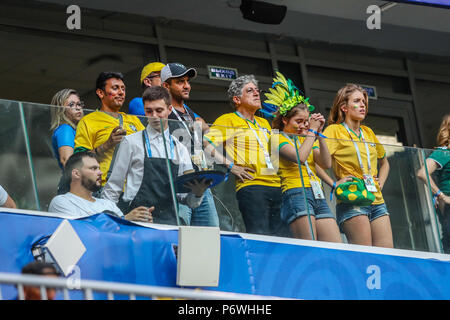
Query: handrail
[{"x": 132, "y": 290}]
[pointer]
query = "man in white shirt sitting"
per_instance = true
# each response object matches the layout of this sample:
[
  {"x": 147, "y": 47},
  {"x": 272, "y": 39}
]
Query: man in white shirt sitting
[
  {"x": 144, "y": 161},
  {"x": 5, "y": 199},
  {"x": 83, "y": 171}
]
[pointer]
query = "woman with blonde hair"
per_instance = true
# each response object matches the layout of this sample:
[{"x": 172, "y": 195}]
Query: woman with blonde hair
[
  {"x": 66, "y": 112},
  {"x": 64, "y": 123},
  {"x": 355, "y": 153},
  {"x": 439, "y": 163}
]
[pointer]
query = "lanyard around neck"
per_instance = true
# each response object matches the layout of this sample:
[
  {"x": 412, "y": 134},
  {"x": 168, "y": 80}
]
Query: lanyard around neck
[
  {"x": 357, "y": 149},
  {"x": 264, "y": 130},
  {"x": 308, "y": 169},
  {"x": 263, "y": 148},
  {"x": 149, "y": 149}
]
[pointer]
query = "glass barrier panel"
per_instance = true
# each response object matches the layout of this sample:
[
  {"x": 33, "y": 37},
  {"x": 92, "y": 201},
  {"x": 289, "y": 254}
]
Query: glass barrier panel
[
  {"x": 304, "y": 205},
  {"x": 147, "y": 163},
  {"x": 250, "y": 198},
  {"x": 17, "y": 174},
  {"x": 31, "y": 174},
  {"x": 37, "y": 182},
  {"x": 434, "y": 174},
  {"x": 218, "y": 207},
  {"x": 411, "y": 221},
  {"x": 46, "y": 170}
]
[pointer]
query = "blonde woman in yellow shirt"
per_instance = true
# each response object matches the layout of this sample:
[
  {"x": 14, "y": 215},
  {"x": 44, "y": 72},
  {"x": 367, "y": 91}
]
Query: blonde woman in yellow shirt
[{"x": 356, "y": 151}]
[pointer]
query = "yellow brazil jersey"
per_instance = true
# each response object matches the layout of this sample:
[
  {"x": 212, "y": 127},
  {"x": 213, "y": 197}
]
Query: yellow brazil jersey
[
  {"x": 95, "y": 128},
  {"x": 344, "y": 156},
  {"x": 240, "y": 143},
  {"x": 288, "y": 170}
]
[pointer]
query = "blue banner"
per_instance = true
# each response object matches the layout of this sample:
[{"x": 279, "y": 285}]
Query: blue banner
[
  {"x": 434, "y": 3},
  {"x": 120, "y": 251}
]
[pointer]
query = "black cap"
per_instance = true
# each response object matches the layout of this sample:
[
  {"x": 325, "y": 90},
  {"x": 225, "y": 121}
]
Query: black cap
[{"x": 176, "y": 70}]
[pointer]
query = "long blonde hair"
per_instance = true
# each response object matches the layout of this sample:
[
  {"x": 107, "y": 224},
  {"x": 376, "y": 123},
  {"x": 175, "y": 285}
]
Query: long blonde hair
[
  {"x": 443, "y": 136},
  {"x": 59, "y": 114},
  {"x": 336, "y": 114}
]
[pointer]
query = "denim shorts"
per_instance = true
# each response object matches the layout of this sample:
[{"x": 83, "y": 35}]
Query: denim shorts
[
  {"x": 345, "y": 211},
  {"x": 293, "y": 205}
]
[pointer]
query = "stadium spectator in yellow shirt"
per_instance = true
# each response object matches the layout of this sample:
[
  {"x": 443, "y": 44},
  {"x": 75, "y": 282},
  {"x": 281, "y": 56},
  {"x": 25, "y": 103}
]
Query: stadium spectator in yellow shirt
[
  {"x": 245, "y": 139},
  {"x": 356, "y": 152},
  {"x": 102, "y": 130}
]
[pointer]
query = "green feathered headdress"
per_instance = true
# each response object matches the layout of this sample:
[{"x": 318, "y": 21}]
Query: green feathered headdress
[{"x": 283, "y": 96}]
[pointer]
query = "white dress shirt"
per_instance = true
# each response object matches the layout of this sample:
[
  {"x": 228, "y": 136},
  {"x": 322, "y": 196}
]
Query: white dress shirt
[
  {"x": 3, "y": 196},
  {"x": 129, "y": 165}
]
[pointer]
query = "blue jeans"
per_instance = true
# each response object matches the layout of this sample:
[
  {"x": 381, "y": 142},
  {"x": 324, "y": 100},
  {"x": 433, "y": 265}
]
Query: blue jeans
[
  {"x": 345, "y": 211},
  {"x": 204, "y": 215},
  {"x": 293, "y": 205}
]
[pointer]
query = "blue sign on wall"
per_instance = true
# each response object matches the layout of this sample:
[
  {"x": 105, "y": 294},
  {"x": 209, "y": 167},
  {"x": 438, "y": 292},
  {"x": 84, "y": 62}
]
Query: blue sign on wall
[{"x": 371, "y": 91}]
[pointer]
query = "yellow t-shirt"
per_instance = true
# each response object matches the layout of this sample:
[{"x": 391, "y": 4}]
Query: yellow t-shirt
[
  {"x": 344, "y": 156},
  {"x": 241, "y": 144},
  {"x": 95, "y": 128},
  {"x": 288, "y": 170}
]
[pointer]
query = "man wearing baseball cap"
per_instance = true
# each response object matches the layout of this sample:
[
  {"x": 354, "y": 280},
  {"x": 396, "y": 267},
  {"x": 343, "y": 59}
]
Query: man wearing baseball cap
[
  {"x": 150, "y": 76},
  {"x": 175, "y": 77}
]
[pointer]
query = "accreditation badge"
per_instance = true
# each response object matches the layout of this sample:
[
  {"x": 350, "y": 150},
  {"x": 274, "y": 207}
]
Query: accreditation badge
[
  {"x": 317, "y": 189},
  {"x": 370, "y": 183}
]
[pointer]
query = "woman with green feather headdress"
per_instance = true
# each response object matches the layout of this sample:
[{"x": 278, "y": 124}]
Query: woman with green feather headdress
[{"x": 304, "y": 206}]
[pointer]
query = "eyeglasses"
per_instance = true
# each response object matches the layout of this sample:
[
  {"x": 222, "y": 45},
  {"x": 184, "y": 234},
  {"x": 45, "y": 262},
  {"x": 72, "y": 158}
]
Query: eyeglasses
[
  {"x": 76, "y": 104},
  {"x": 253, "y": 90},
  {"x": 154, "y": 76}
]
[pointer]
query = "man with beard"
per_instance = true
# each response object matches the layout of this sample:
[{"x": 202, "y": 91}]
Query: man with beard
[
  {"x": 176, "y": 79},
  {"x": 83, "y": 171},
  {"x": 102, "y": 130}
]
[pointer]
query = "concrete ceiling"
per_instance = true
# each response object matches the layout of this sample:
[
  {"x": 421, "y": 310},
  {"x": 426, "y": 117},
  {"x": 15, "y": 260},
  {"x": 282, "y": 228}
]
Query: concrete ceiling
[
  {"x": 34, "y": 65},
  {"x": 404, "y": 27}
]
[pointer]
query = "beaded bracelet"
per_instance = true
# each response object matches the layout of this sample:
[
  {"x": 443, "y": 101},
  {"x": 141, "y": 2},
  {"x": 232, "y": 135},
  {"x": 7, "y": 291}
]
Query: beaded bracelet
[
  {"x": 317, "y": 133},
  {"x": 436, "y": 196}
]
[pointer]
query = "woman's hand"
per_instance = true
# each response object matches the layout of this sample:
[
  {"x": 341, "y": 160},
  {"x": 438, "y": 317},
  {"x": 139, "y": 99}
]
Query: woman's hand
[
  {"x": 315, "y": 122},
  {"x": 344, "y": 179},
  {"x": 375, "y": 178},
  {"x": 320, "y": 118}
]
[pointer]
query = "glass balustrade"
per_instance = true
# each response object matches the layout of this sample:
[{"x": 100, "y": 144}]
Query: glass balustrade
[{"x": 31, "y": 174}]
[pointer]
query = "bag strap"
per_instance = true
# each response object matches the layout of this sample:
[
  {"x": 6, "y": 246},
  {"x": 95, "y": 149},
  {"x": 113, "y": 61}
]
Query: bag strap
[{"x": 115, "y": 151}]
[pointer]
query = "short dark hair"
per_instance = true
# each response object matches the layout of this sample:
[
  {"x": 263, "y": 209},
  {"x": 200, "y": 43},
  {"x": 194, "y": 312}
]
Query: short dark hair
[
  {"x": 154, "y": 93},
  {"x": 105, "y": 75},
  {"x": 38, "y": 267},
  {"x": 75, "y": 161}
]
